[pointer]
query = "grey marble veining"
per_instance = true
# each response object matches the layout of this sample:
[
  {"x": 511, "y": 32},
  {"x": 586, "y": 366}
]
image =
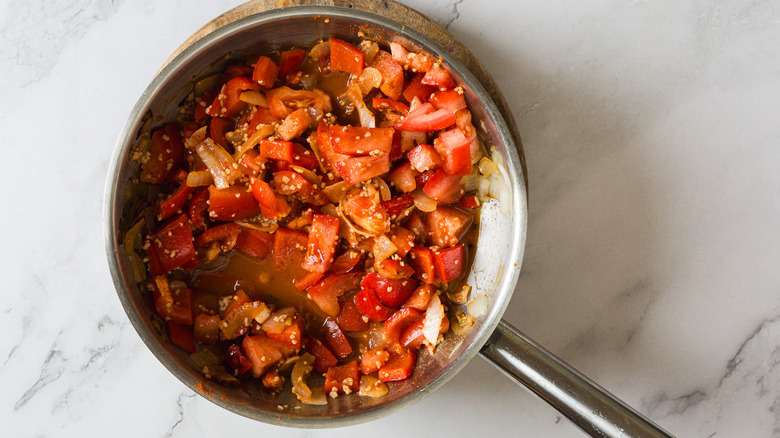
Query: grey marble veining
[{"x": 651, "y": 134}]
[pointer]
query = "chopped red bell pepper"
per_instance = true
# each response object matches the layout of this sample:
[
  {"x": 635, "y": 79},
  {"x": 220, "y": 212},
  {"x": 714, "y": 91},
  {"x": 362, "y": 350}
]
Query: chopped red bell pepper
[
  {"x": 396, "y": 205},
  {"x": 455, "y": 148},
  {"x": 421, "y": 260},
  {"x": 225, "y": 234},
  {"x": 450, "y": 263},
  {"x": 369, "y": 305},
  {"x": 198, "y": 206},
  {"x": 373, "y": 360},
  {"x": 265, "y": 72},
  {"x": 236, "y": 360},
  {"x": 350, "y": 319},
  {"x": 327, "y": 291},
  {"x": 343, "y": 379},
  {"x": 421, "y": 296},
  {"x": 232, "y": 203},
  {"x": 395, "y": 325},
  {"x": 438, "y": 77},
  {"x": 392, "y": 74},
  {"x": 399, "y": 366},
  {"x": 166, "y": 153},
  {"x": 447, "y": 225},
  {"x": 425, "y": 118},
  {"x": 391, "y": 292},
  {"x": 181, "y": 336},
  {"x": 443, "y": 187},
  {"x": 277, "y": 150},
  {"x": 403, "y": 177},
  {"x": 290, "y": 60},
  {"x": 346, "y": 261},
  {"x": 227, "y": 102},
  {"x": 334, "y": 338},
  {"x": 255, "y": 243},
  {"x": 323, "y": 239},
  {"x": 289, "y": 246},
  {"x": 417, "y": 89},
  {"x": 450, "y": 100},
  {"x": 217, "y": 129},
  {"x": 346, "y": 57},
  {"x": 323, "y": 357},
  {"x": 272, "y": 206},
  {"x": 175, "y": 202},
  {"x": 173, "y": 243},
  {"x": 357, "y": 169}
]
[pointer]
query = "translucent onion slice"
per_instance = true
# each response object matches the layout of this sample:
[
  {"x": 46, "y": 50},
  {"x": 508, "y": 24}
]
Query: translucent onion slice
[
  {"x": 199, "y": 178},
  {"x": 307, "y": 174},
  {"x": 478, "y": 306},
  {"x": 371, "y": 386},
  {"x": 336, "y": 192},
  {"x": 268, "y": 227},
  {"x": 206, "y": 84},
  {"x": 384, "y": 189},
  {"x": 193, "y": 140},
  {"x": 355, "y": 96},
  {"x": 320, "y": 50},
  {"x": 423, "y": 202},
  {"x": 222, "y": 166},
  {"x": 461, "y": 323},
  {"x": 432, "y": 323},
  {"x": 253, "y": 97},
  {"x": 370, "y": 78},
  {"x": 370, "y": 49},
  {"x": 299, "y": 376},
  {"x": 383, "y": 248},
  {"x": 263, "y": 131}
]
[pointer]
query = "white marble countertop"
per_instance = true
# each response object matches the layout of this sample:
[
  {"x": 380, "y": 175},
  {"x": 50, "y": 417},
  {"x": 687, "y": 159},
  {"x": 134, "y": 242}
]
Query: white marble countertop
[{"x": 651, "y": 133}]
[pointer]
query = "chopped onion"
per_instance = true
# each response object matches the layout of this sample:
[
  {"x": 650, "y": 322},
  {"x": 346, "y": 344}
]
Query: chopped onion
[
  {"x": 199, "y": 178},
  {"x": 370, "y": 78},
  {"x": 383, "y": 248},
  {"x": 461, "y": 323},
  {"x": 384, "y": 189},
  {"x": 370, "y": 48},
  {"x": 278, "y": 321},
  {"x": 193, "y": 140},
  {"x": 486, "y": 166},
  {"x": 131, "y": 236},
  {"x": 461, "y": 296},
  {"x": 483, "y": 187},
  {"x": 321, "y": 50},
  {"x": 263, "y": 131},
  {"x": 222, "y": 166},
  {"x": 205, "y": 84},
  {"x": 307, "y": 174},
  {"x": 300, "y": 373},
  {"x": 423, "y": 202},
  {"x": 355, "y": 96},
  {"x": 268, "y": 227},
  {"x": 432, "y": 323},
  {"x": 478, "y": 306},
  {"x": 336, "y": 192},
  {"x": 371, "y": 386},
  {"x": 253, "y": 97}
]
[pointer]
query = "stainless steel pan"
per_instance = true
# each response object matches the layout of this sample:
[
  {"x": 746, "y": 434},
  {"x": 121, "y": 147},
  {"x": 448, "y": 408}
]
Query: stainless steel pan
[{"x": 494, "y": 273}]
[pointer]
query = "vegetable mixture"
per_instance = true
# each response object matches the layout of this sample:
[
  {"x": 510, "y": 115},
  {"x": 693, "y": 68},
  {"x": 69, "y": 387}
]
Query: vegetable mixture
[{"x": 308, "y": 215}]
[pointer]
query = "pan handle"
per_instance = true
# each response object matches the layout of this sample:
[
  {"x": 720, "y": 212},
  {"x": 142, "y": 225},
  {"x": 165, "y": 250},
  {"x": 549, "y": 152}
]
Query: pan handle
[{"x": 589, "y": 406}]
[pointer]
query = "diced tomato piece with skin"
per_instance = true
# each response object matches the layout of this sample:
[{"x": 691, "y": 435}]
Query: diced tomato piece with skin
[
  {"x": 289, "y": 246},
  {"x": 206, "y": 328},
  {"x": 357, "y": 169},
  {"x": 323, "y": 358},
  {"x": 416, "y": 225},
  {"x": 399, "y": 366},
  {"x": 438, "y": 77},
  {"x": 396, "y": 149},
  {"x": 173, "y": 243},
  {"x": 261, "y": 116},
  {"x": 330, "y": 156},
  {"x": 198, "y": 206},
  {"x": 346, "y": 57},
  {"x": 357, "y": 141},
  {"x": 381, "y": 104},
  {"x": 236, "y": 360},
  {"x": 276, "y": 150},
  {"x": 392, "y": 74},
  {"x": 284, "y": 100},
  {"x": 175, "y": 202},
  {"x": 469, "y": 201},
  {"x": 391, "y": 292},
  {"x": 263, "y": 352},
  {"x": 225, "y": 234},
  {"x": 327, "y": 291},
  {"x": 265, "y": 72},
  {"x": 373, "y": 360},
  {"x": 290, "y": 60},
  {"x": 403, "y": 240},
  {"x": 217, "y": 129},
  {"x": 421, "y": 260},
  {"x": 271, "y": 205},
  {"x": 417, "y": 89},
  {"x": 231, "y": 204},
  {"x": 334, "y": 339},
  {"x": 426, "y": 118},
  {"x": 227, "y": 102},
  {"x": 395, "y": 206},
  {"x": 346, "y": 262},
  {"x": 395, "y": 325},
  {"x": 350, "y": 319},
  {"x": 308, "y": 280},
  {"x": 181, "y": 336},
  {"x": 304, "y": 157},
  {"x": 251, "y": 163},
  {"x": 403, "y": 177},
  {"x": 443, "y": 187},
  {"x": 369, "y": 305},
  {"x": 424, "y": 157},
  {"x": 294, "y": 124},
  {"x": 288, "y": 182},
  {"x": 255, "y": 243},
  {"x": 421, "y": 296},
  {"x": 450, "y": 100},
  {"x": 450, "y": 263},
  {"x": 343, "y": 379},
  {"x": 455, "y": 148},
  {"x": 323, "y": 238},
  {"x": 447, "y": 225},
  {"x": 292, "y": 334},
  {"x": 166, "y": 153}
]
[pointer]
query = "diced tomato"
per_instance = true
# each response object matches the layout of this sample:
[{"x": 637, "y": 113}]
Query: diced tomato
[
  {"x": 398, "y": 322},
  {"x": 290, "y": 60},
  {"x": 396, "y": 149},
  {"x": 369, "y": 305},
  {"x": 347, "y": 261},
  {"x": 175, "y": 202},
  {"x": 173, "y": 243},
  {"x": 343, "y": 379},
  {"x": 166, "y": 153},
  {"x": 271, "y": 205},
  {"x": 350, "y": 319},
  {"x": 288, "y": 182},
  {"x": 469, "y": 201},
  {"x": 403, "y": 240},
  {"x": 227, "y": 102},
  {"x": 391, "y": 292},
  {"x": 396, "y": 205},
  {"x": 294, "y": 124},
  {"x": 356, "y": 140},
  {"x": 284, "y": 100},
  {"x": 330, "y": 156},
  {"x": 381, "y": 104},
  {"x": 443, "y": 187},
  {"x": 334, "y": 339},
  {"x": 416, "y": 225},
  {"x": 255, "y": 243},
  {"x": 304, "y": 157},
  {"x": 263, "y": 352},
  {"x": 265, "y": 72},
  {"x": 206, "y": 328},
  {"x": 225, "y": 234},
  {"x": 424, "y": 157},
  {"x": 438, "y": 77},
  {"x": 454, "y": 147},
  {"x": 323, "y": 358},
  {"x": 327, "y": 291},
  {"x": 231, "y": 204},
  {"x": 181, "y": 336},
  {"x": 277, "y": 150},
  {"x": 198, "y": 206},
  {"x": 236, "y": 360},
  {"x": 252, "y": 164},
  {"x": 261, "y": 116},
  {"x": 450, "y": 100},
  {"x": 450, "y": 263},
  {"x": 289, "y": 246},
  {"x": 323, "y": 238},
  {"x": 373, "y": 360},
  {"x": 392, "y": 74},
  {"x": 292, "y": 335},
  {"x": 403, "y": 177},
  {"x": 217, "y": 129},
  {"x": 447, "y": 225},
  {"x": 346, "y": 57},
  {"x": 421, "y": 259},
  {"x": 426, "y": 118},
  {"x": 417, "y": 89},
  {"x": 357, "y": 169},
  {"x": 394, "y": 269},
  {"x": 399, "y": 366},
  {"x": 308, "y": 280},
  {"x": 421, "y": 297}
]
